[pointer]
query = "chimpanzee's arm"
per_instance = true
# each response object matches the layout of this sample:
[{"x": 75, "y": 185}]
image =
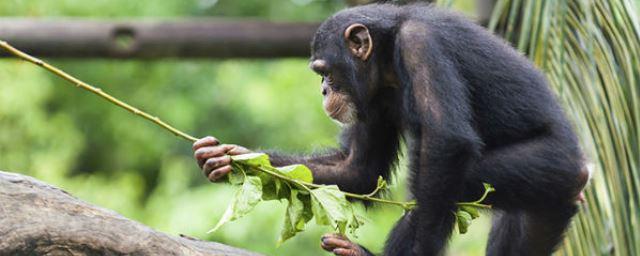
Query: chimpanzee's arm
[{"x": 368, "y": 151}]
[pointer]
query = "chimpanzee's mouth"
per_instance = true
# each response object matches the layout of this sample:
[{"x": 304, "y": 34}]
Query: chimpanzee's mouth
[
  {"x": 344, "y": 114},
  {"x": 336, "y": 113}
]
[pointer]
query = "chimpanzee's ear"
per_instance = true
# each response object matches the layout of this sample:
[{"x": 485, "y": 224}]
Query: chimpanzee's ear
[{"x": 359, "y": 40}]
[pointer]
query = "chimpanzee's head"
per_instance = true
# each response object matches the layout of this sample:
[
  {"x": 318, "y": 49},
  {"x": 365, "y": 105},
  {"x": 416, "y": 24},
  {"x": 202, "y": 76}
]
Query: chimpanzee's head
[{"x": 349, "y": 50}]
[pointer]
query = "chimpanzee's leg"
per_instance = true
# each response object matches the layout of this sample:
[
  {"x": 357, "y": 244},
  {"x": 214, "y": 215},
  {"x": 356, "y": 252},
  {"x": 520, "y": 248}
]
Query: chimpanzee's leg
[
  {"x": 507, "y": 234},
  {"x": 537, "y": 183},
  {"x": 545, "y": 229},
  {"x": 529, "y": 233},
  {"x": 401, "y": 238},
  {"x": 530, "y": 175}
]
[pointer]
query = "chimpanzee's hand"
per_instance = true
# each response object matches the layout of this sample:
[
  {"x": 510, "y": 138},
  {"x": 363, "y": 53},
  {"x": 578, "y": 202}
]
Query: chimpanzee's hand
[
  {"x": 214, "y": 158},
  {"x": 341, "y": 246}
]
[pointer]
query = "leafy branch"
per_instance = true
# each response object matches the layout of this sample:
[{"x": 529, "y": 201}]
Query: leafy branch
[
  {"x": 261, "y": 181},
  {"x": 382, "y": 184}
]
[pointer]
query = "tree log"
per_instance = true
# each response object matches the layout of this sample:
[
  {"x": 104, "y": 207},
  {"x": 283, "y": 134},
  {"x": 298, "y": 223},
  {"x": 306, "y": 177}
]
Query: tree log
[
  {"x": 38, "y": 219},
  {"x": 150, "y": 39}
]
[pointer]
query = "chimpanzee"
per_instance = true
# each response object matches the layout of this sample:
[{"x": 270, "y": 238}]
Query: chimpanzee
[{"x": 469, "y": 107}]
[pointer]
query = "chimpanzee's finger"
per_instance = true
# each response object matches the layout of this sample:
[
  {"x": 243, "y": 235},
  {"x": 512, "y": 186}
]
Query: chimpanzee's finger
[
  {"x": 219, "y": 173},
  {"x": 206, "y": 141},
  {"x": 237, "y": 150},
  {"x": 333, "y": 242},
  {"x": 327, "y": 247},
  {"x": 215, "y": 163},
  {"x": 324, "y": 246},
  {"x": 204, "y": 153},
  {"x": 334, "y": 235},
  {"x": 345, "y": 252}
]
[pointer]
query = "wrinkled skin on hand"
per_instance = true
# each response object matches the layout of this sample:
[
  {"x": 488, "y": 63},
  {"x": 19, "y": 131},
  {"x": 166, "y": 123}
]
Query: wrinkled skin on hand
[
  {"x": 341, "y": 246},
  {"x": 214, "y": 158}
]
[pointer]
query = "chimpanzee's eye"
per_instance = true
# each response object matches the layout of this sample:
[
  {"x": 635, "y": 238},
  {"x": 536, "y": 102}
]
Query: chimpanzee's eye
[{"x": 329, "y": 79}]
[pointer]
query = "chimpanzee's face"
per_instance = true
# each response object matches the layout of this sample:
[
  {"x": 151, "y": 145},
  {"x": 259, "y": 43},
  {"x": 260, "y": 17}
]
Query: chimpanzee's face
[
  {"x": 339, "y": 57},
  {"x": 337, "y": 101}
]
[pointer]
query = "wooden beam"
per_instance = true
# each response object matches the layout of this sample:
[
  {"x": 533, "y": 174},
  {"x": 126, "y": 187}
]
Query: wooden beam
[
  {"x": 148, "y": 39},
  {"x": 39, "y": 219}
]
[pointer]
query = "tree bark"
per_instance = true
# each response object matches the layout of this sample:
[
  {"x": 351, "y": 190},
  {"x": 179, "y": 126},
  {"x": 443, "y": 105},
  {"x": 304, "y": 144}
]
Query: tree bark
[{"x": 38, "y": 219}]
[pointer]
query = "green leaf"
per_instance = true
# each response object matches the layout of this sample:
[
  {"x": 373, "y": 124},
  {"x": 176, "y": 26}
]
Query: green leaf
[
  {"x": 297, "y": 171},
  {"x": 295, "y": 217},
  {"x": 355, "y": 222},
  {"x": 272, "y": 187},
  {"x": 236, "y": 176},
  {"x": 473, "y": 211},
  {"x": 307, "y": 212},
  {"x": 278, "y": 186},
  {"x": 488, "y": 187},
  {"x": 252, "y": 159},
  {"x": 464, "y": 221},
  {"x": 244, "y": 201},
  {"x": 330, "y": 207},
  {"x": 382, "y": 184}
]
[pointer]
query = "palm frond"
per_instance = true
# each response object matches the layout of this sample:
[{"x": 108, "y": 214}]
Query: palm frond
[{"x": 589, "y": 50}]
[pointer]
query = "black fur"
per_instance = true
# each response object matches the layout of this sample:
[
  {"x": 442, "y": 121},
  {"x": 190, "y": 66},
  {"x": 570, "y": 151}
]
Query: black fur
[{"x": 472, "y": 110}]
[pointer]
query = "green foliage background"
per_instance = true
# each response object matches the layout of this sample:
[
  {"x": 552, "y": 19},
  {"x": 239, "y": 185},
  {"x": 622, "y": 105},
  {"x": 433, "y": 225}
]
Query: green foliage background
[{"x": 111, "y": 158}]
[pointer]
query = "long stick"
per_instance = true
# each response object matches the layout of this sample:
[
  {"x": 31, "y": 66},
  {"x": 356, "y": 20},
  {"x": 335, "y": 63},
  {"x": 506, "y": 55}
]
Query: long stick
[{"x": 95, "y": 90}]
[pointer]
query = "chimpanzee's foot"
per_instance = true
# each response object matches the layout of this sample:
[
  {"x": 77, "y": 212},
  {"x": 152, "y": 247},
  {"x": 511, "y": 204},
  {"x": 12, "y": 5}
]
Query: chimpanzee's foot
[{"x": 342, "y": 246}]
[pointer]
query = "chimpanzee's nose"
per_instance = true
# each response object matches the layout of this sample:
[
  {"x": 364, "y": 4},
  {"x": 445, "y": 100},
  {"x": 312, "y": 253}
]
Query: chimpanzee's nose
[{"x": 325, "y": 89}]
